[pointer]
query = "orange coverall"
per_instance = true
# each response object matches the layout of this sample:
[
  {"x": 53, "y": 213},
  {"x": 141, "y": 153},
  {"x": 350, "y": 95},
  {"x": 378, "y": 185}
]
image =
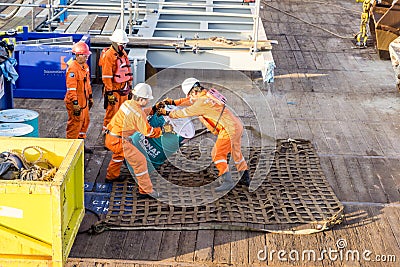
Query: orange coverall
[
  {"x": 109, "y": 69},
  {"x": 78, "y": 88},
  {"x": 129, "y": 119},
  {"x": 229, "y": 129}
]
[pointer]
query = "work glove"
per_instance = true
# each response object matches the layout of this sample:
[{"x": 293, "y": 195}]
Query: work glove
[
  {"x": 167, "y": 128},
  {"x": 157, "y": 106},
  {"x": 77, "y": 108},
  {"x": 90, "y": 103},
  {"x": 163, "y": 112},
  {"x": 112, "y": 99},
  {"x": 169, "y": 101}
]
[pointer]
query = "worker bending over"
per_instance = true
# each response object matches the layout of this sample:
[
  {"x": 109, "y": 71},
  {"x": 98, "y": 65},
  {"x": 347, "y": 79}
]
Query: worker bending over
[
  {"x": 130, "y": 118},
  {"x": 116, "y": 74},
  {"x": 78, "y": 99},
  {"x": 220, "y": 121}
]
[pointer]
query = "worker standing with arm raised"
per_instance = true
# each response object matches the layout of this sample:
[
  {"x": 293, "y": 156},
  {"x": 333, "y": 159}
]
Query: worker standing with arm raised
[
  {"x": 116, "y": 74},
  {"x": 221, "y": 122},
  {"x": 130, "y": 118},
  {"x": 78, "y": 99}
]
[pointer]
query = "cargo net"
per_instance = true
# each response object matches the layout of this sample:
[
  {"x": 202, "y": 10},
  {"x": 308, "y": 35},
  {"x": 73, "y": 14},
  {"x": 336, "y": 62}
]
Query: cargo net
[{"x": 292, "y": 196}]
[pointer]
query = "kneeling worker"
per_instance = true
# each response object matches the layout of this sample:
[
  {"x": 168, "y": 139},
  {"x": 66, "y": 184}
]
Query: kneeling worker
[
  {"x": 220, "y": 121},
  {"x": 130, "y": 118}
]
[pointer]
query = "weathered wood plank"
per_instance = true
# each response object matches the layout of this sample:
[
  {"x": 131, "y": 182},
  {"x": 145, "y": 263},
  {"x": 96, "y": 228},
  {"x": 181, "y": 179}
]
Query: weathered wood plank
[
  {"x": 186, "y": 246},
  {"x": 110, "y": 25},
  {"x": 151, "y": 245},
  {"x": 222, "y": 247},
  {"x": 73, "y": 27},
  {"x": 98, "y": 25},
  {"x": 204, "y": 246},
  {"x": 133, "y": 244},
  {"x": 239, "y": 248},
  {"x": 63, "y": 27},
  {"x": 86, "y": 24},
  {"x": 169, "y": 246}
]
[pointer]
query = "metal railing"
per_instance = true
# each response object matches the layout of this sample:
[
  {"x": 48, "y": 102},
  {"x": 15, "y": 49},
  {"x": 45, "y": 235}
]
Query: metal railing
[{"x": 132, "y": 8}]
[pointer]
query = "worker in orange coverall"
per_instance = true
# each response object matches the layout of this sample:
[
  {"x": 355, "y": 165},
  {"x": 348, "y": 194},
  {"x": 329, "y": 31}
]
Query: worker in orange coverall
[
  {"x": 220, "y": 121},
  {"x": 130, "y": 118},
  {"x": 116, "y": 74},
  {"x": 78, "y": 99}
]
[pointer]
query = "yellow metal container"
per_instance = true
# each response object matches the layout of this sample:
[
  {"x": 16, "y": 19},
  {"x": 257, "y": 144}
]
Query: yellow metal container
[{"x": 39, "y": 220}]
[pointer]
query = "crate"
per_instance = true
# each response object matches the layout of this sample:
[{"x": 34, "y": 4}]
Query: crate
[
  {"x": 39, "y": 220},
  {"x": 43, "y": 57}
]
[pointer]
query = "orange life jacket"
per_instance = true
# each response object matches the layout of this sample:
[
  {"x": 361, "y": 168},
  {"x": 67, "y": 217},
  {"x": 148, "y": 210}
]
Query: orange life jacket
[{"x": 123, "y": 73}]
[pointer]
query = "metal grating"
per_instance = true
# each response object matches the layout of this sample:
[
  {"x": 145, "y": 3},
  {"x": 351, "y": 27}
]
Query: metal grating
[{"x": 293, "y": 195}]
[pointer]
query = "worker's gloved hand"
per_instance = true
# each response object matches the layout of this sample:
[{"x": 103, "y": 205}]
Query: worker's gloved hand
[
  {"x": 157, "y": 106},
  {"x": 163, "y": 112},
  {"x": 167, "y": 128},
  {"x": 77, "y": 108},
  {"x": 168, "y": 101},
  {"x": 112, "y": 99},
  {"x": 90, "y": 103}
]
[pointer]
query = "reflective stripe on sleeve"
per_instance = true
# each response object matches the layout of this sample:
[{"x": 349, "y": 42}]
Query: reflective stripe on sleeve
[
  {"x": 141, "y": 173},
  {"x": 240, "y": 161},
  {"x": 151, "y": 132},
  {"x": 220, "y": 161}
]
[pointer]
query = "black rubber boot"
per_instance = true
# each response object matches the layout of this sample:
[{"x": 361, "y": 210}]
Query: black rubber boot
[
  {"x": 244, "y": 178},
  {"x": 227, "y": 183}
]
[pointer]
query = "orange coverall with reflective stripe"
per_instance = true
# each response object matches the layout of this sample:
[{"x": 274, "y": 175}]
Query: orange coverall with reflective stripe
[
  {"x": 229, "y": 129},
  {"x": 109, "y": 68},
  {"x": 129, "y": 119},
  {"x": 78, "y": 88}
]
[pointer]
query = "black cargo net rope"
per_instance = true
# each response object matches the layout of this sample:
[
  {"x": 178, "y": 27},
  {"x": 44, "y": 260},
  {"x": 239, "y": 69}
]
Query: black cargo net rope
[{"x": 293, "y": 197}]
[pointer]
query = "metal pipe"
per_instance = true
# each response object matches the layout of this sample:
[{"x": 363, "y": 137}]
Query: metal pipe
[
  {"x": 130, "y": 22},
  {"x": 178, "y": 4},
  {"x": 50, "y": 12},
  {"x": 161, "y": 11},
  {"x": 33, "y": 19},
  {"x": 256, "y": 25},
  {"x": 122, "y": 15}
]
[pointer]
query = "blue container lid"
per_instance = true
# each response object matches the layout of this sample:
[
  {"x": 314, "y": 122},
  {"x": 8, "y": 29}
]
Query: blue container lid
[
  {"x": 15, "y": 129},
  {"x": 18, "y": 115}
]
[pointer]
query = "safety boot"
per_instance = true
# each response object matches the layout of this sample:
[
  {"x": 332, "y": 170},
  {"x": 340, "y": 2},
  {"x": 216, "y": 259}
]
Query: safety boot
[
  {"x": 227, "y": 183},
  {"x": 244, "y": 178}
]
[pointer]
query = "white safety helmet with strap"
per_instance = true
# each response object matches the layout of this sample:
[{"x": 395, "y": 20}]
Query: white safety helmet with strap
[
  {"x": 143, "y": 90},
  {"x": 188, "y": 84},
  {"x": 119, "y": 36}
]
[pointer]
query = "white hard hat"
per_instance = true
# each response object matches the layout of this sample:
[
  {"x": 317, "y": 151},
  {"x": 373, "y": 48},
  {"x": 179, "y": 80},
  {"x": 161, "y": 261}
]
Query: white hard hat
[
  {"x": 188, "y": 84},
  {"x": 119, "y": 36},
  {"x": 143, "y": 90}
]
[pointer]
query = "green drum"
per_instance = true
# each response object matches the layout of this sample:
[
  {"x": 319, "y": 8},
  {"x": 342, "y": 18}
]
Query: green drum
[{"x": 157, "y": 150}]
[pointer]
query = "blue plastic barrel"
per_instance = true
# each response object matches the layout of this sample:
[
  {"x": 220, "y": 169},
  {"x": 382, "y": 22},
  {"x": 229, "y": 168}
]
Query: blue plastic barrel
[
  {"x": 6, "y": 94},
  {"x": 21, "y": 116},
  {"x": 16, "y": 129}
]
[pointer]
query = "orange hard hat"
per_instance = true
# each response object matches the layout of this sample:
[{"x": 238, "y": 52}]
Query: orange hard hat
[{"x": 81, "y": 48}]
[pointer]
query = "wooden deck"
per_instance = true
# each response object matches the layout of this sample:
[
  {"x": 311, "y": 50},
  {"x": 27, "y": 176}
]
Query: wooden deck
[{"x": 342, "y": 99}]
